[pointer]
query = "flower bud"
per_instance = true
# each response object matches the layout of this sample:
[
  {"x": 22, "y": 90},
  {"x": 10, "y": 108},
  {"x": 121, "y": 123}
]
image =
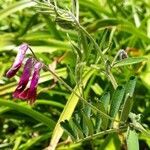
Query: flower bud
[{"x": 123, "y": 54}]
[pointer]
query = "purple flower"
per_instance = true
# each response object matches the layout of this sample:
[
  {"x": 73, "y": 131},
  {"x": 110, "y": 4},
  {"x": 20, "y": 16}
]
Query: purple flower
[
  {"x": 30, "y": 93},
  {"x": 18, "y": 60},
  {"x": 23, "y": 91},
  {"x": 25, "y": 77}
]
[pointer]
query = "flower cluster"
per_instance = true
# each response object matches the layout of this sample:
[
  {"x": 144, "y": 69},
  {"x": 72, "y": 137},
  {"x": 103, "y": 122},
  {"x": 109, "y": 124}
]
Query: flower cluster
[{"x": 31, "y": 69}]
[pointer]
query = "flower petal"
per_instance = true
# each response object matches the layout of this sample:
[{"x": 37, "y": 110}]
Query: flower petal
[
  {"x": 18, "y": 60},
  {"x": 23, "y": 95},
  {"x": 25, "y": 77},
  {"x": 34, "y": 82},
  {"x": 30, "y": 93}
]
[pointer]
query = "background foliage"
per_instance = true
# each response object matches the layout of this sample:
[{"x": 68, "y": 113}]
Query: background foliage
[{"x": 114, "y": 25}]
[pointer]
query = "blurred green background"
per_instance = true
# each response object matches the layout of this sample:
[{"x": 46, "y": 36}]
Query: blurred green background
[{"x": 126, "y": 25}]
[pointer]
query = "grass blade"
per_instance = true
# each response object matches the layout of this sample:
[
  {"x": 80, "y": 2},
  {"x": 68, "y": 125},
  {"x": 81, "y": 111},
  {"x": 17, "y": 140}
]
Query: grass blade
[
  {"x": 16, "y": 7},
  {"x": 28, "y": 111}
]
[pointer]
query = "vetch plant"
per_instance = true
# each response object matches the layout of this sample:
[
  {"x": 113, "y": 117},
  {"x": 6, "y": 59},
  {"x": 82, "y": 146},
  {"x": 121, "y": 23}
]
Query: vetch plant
[
  {"x": 109, "y": 118},
  {"x": 99, "y": 95}
]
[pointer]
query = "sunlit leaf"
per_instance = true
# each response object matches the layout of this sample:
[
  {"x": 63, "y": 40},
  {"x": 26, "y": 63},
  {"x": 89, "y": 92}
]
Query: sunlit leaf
[{"x": 132, "y": 140}]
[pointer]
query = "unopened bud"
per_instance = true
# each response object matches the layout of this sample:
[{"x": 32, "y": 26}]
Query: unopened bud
[{"x": 123, "y": 54}]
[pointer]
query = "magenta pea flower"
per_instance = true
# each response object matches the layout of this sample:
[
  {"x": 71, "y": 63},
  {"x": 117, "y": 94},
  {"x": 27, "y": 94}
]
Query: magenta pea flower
[
  {"x": 32, "y": 68},
  {"x": 18, "y": 60},
  {"x": 24, "y": 77},
  {"x": 30, "y": 93}
]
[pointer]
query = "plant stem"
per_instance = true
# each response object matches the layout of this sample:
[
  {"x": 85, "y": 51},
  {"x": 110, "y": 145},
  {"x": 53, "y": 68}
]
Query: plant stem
[
  {"x": 112, "y": 79},
  {"x": 121, "y": 129},
  {"x": 76, "y": 21},
  {"x": 95, "y": 44},
  {"x": 109, "y": 74},
  {"x": 80, "y": 98},
  {"x": 70, "y": 89}
]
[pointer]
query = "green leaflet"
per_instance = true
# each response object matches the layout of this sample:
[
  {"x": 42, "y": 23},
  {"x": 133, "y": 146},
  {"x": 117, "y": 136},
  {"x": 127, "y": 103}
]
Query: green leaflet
[
  {"x": 130, "y": 86},
  {"x": 105, "y": 99},
  {"x": 77, "y": 127},
  {"x": 129, "y": 61},
  {"x": 116, "y": 101},
  {"x": 88, "y": 124},
  {"x": 17, "y": 142},
  {"x": 67, "y": 127},
  {"x": 127, "y": 106}
]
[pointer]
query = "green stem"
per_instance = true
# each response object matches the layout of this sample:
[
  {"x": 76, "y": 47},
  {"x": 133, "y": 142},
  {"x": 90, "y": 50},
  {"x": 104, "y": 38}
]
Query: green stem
[
  {"x": 109, "y": 74},
  {"x": 99, "y": 134},
  {"x": 112, "y": 79},
  {"x": 80, "y": 98},
  {"x": 76, "y": 21}
]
